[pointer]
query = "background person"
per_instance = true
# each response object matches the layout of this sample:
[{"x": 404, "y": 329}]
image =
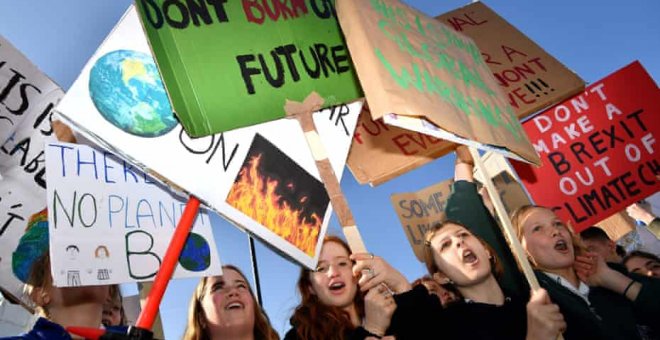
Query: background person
[
  {"x": 446, "y": 293},
  {"x": 643, "y": 263},
  {"x": 113, "y": 309},
  {"x": 57, "y": 307},
  {"x": 597, "y": 241},
  {"x": 224, "y": 307}
]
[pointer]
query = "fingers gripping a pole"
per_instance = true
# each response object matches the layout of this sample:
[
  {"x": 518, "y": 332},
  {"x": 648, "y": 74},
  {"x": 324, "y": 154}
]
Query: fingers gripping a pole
[{"x": 507, "y": 227}]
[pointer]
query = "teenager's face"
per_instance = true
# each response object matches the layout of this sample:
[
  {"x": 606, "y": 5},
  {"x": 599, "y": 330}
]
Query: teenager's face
[
  {"x": 460, "y": 256},
  {"x": 228, "y": 304},
  {"x": 332, "y": 281},
  {"x": 111, "y": 312},
  {"x": 643, "y": 266},
  {"x": 604, "y": 249},
  {"x": 547, "y": 240}
]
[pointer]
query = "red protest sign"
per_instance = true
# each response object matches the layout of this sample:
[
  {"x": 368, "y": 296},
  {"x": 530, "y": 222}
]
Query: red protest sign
[{"x": 599, "y": 148}]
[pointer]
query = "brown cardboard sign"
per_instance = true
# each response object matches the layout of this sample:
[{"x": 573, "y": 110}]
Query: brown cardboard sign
[
  {"x": 510, "y": 191},
  {"x": 531, "y": 78},
  {"x": 420, "y": 211},
  {"x": 419, "y": 74},
  {"x": 617, "y": 225},
  {"x": 380, "y": 152}
]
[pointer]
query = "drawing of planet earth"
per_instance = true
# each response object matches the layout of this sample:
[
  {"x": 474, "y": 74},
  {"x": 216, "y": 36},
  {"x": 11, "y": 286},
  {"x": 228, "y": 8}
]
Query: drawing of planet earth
[
  {"x": 126, "y": 88},
  {"x": 196, "y": 254}
]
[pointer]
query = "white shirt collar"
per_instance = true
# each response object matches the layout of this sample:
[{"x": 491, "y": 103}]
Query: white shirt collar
[{"x": 582, "y": 290}]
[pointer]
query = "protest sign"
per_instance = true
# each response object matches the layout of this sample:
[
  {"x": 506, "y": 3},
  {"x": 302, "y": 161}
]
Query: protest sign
[
  {"x": 234, "y": 64},
  {"x": 381, "y": 152},
  {"x": 617, "y": 225},
  {"x": 421, "y": 75},
  {"x": 509, "y": 190},
  {"x": 25, "y": 92},
  {"x": 508, "y": 187},
  {"x": 27, "y": 97},
  {"x": 110, "y": 223},
  {"x": 226, "y": 171},
  {"x": 530, "y": 77},
  {"x": 419, "y": 211},
  {"x": 598, "y": 148}
]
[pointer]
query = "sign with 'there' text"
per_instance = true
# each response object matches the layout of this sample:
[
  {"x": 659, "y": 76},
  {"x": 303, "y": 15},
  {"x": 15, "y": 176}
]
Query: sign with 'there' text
[{"x": 110, "y": 223}]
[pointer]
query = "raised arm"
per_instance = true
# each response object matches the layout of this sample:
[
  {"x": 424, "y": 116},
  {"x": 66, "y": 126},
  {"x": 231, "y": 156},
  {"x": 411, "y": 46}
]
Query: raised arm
[{"x": 466, "y": 206}]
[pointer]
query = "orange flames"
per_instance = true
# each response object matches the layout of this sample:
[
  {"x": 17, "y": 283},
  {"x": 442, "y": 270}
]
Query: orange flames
[{"x": 254, "y": 195}]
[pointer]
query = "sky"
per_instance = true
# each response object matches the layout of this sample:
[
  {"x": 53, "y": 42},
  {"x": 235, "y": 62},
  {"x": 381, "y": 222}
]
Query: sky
[{"x": 591, "y": 37}]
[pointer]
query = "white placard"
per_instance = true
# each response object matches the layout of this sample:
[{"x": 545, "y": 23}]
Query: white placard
[
  {"x": 209, "y": 167},
  {"x": 27, "y": 97},
  {"x": 109, "y": 223}
]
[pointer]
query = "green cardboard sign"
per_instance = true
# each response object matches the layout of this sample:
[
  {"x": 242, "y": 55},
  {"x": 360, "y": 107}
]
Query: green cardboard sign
[{"x": 231, "y": 64}]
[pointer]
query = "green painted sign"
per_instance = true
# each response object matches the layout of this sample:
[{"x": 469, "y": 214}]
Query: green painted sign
[{"x": 231, "y": 64}]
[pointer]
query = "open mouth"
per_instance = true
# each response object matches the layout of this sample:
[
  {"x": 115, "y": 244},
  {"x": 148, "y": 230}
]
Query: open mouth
[
  {"x": 561, "y": 246},
  {"x": 469, "y": 257},
  {"x": 234, "y": 305},
  {"x": 335, "y": 286}
]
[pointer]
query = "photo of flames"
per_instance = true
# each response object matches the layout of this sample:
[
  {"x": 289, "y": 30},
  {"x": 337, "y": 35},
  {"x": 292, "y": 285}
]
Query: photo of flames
[{"x": 276, "y": 192}]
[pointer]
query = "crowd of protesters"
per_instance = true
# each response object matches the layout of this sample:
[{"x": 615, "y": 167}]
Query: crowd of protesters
[{"x": 474, "y": 289}]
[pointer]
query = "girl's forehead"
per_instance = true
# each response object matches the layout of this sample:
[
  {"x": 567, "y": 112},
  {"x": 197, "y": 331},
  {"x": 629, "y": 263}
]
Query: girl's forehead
[
  {"x": 228, "y": 275},
  {"x": 538, "y": 213},
  {"x": 333, "y": 249},
  {"x": 449, "y": 229}
]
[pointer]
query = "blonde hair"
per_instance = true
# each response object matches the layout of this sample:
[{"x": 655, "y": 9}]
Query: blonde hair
[
  {"x": 196, "y": 327},
  {"x": 519, "y": 215}
]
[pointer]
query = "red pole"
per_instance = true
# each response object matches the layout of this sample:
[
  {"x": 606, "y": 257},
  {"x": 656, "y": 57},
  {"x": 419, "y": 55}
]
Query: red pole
[{"x": 148, "y": 314}]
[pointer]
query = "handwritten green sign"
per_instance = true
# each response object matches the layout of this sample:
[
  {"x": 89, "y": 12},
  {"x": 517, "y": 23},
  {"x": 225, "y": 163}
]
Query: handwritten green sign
[
  {"x": 421, "y": 75},
  {"x": 230, "y": 64}
]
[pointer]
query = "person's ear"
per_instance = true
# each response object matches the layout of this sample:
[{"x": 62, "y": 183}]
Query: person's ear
[{"x": 40, "y": 296}]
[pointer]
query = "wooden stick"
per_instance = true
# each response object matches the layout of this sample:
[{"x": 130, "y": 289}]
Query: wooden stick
[
  {"x": 331, "y": 183},
  {"x": 505, "y": 223},
  {"x": 507, "y": 227}
]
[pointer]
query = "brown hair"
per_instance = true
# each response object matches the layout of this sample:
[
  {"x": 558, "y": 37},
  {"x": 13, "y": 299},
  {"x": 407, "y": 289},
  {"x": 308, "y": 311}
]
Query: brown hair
[
  {"x": 115, "y": 296},
  {"x": 314, "y": 320},
  {"x": 39, "y": 280},
  {"x": 447, "y": 286},
  {"x": 196, "y": 329},
  {"x": 429, "y": 260},
  {"x": 519, "y": 215},
  {"x": 642, "y": 254}
]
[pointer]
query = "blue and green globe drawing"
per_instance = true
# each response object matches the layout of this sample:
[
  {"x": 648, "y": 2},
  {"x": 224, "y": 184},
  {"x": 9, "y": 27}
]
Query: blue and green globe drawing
[
  {"x": 196, "y": 253},
  {"x": 126, "y": 88}
]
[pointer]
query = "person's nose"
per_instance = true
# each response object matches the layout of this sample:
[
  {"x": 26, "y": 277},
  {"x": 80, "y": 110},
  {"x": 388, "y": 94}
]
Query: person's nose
[
  {"x": 232, "y": 291},
  {"x": 333, "y": 271}
]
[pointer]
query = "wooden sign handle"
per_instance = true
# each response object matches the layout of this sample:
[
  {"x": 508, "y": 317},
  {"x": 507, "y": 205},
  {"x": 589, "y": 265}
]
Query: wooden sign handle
[
  {"x": 507, "y": 227},
  {"x": 331, "y": 183},
  {"x": 505, "y": 223}
]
